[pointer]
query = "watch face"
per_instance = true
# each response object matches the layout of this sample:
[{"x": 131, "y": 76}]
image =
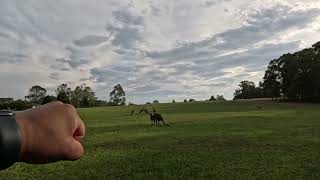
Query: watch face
[{"x": 6, "y": 113}]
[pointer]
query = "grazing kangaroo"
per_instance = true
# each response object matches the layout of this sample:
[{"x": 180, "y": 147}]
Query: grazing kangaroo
[{"x": 155, "y": 118}]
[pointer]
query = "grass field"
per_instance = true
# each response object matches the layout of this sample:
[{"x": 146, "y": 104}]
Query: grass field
[{"x": 221, "y": 140}]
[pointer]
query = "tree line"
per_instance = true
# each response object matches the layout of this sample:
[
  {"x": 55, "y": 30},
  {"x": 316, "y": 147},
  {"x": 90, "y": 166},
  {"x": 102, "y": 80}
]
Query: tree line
[
  {"x": 81, "y": 97},
  {"x": 212, "y": 98},
  {"x": 292, "y": 77}
]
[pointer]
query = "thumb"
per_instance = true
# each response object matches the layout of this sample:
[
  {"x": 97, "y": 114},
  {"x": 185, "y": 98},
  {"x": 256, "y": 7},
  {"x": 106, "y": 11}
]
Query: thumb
[{"x": 74, "y": 151}]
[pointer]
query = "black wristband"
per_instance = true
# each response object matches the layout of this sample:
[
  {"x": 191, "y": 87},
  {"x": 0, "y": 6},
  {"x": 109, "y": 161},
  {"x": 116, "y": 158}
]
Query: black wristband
[{"x": 10, "y": 142}]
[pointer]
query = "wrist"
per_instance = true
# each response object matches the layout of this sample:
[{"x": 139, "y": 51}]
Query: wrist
[{"x": 23, "y": 129}]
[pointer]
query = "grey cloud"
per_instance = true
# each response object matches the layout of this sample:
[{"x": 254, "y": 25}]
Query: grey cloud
[
  {"x": 261, "y": 25},
  {"x": 55, "y": 76},
  {"x": 256, "y": 55},
  {"x": 65, "y": 69},
  {"x": 91, "y": 40},
  {"x": 77, "y": 58},
  {"x": 151, "y": 81},
  {"x": 213, "y": 2},
  {"x": 125, "y": 37},
  {"x": 86, "y": 79},
  {"x": 146, "y": 88},
  {"x": 210, "y": 3},
  {"x": 4, "y": 35},
  {"x": 126, "y": 29},
  {"x": 215, "y": 84},
  {"x": 74, "y": 63},
  {"x": 155, "y": 11},
  {"x": 127, "y": 18},
  {"x": 12, "y": 58},
  {"x": 107, "y": 75}
]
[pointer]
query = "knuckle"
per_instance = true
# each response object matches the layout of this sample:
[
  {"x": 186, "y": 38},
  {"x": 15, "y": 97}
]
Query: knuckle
[
  {"x": 53, "y": 103},
  {"x": 69, "y": 108},
  {"x": 58, "y": 102}
]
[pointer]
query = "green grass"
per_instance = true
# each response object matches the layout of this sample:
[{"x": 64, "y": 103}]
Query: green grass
[{"x": 222, "y": 140}]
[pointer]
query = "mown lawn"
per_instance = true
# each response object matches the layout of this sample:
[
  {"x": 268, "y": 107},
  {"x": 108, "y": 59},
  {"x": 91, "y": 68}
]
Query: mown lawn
[{"x": 220, "y": 140}]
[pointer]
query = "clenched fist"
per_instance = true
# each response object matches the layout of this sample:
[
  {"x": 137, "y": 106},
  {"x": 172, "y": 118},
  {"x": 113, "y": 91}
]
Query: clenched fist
[{"x": 50, "y": 133}]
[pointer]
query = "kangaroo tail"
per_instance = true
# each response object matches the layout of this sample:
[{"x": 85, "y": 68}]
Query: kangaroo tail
[{"x": 165, "y": 123}]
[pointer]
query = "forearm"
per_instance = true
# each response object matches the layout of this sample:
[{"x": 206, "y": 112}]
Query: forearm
[{"x": 10, "y": 143}]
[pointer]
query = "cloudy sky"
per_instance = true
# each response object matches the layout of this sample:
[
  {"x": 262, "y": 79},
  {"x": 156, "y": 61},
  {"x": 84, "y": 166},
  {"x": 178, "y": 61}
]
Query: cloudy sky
[{"x": 157, "y": 49}]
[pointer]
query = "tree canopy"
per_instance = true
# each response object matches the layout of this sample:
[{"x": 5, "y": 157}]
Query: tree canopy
[
  {"x": 295, "y": 77},
  {"x": 36, "y": 94},
  {"x": 246, "y": 90},
  {"x": 117, "y": 95}
]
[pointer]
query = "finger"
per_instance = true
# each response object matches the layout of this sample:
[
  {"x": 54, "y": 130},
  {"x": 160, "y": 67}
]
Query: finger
[
  {"x": 74, "y": 151},
  {"x": 80, "y": 131}
]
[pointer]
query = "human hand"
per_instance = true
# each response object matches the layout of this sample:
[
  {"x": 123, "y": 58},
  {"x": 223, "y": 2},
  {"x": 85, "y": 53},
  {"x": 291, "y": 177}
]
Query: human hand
[{"x": 50, "y": 133}]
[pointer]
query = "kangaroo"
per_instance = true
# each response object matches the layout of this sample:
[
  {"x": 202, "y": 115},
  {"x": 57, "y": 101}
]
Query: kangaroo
[
  {"x": 132, "y": 112},
  {"x": 156, "y": 118}
]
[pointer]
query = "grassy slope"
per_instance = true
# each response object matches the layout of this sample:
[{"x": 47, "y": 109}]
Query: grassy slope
[{"x": 225, "y": 140}]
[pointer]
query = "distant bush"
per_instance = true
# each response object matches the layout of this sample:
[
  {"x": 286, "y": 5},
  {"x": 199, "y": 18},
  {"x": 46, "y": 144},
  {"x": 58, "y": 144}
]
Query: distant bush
[
  {"x": 212, "y": 98},
  {"x": 16, "y": 105},
  {"x": 220, "y": 98}
]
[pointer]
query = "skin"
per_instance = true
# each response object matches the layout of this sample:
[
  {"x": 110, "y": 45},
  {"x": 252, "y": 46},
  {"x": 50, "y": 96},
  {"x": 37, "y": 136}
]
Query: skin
[{"x": 50, "y": 133}]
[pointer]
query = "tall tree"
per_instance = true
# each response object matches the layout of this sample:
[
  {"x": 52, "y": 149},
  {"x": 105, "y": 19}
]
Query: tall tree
[
  {"x": 271, "y": 85},
  {"x": 247, "y": 90},
  {"x": 117, "y": 95},
  {"x": 88, "y": 97},
  {"x": 36, "y": 95},
  {"x": 63, "y": 93},
  {"x": 295, "y": 76},
  {"x": 76, "y": 96}
]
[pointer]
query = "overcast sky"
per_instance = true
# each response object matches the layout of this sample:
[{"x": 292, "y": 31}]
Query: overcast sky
[{"x": 156, "y": 49}]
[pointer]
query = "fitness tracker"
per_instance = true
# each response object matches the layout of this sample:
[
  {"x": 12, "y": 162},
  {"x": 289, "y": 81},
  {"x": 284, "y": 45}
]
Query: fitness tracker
[{"x": 10, "y": 140}]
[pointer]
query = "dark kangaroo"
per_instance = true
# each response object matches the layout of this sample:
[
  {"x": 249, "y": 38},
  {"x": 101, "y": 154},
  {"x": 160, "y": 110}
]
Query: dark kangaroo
[{"x": 156, "y": 118}]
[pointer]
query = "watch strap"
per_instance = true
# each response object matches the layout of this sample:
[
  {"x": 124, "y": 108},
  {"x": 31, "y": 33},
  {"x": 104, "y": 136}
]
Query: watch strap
[{"x": 10, "y": 142}]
